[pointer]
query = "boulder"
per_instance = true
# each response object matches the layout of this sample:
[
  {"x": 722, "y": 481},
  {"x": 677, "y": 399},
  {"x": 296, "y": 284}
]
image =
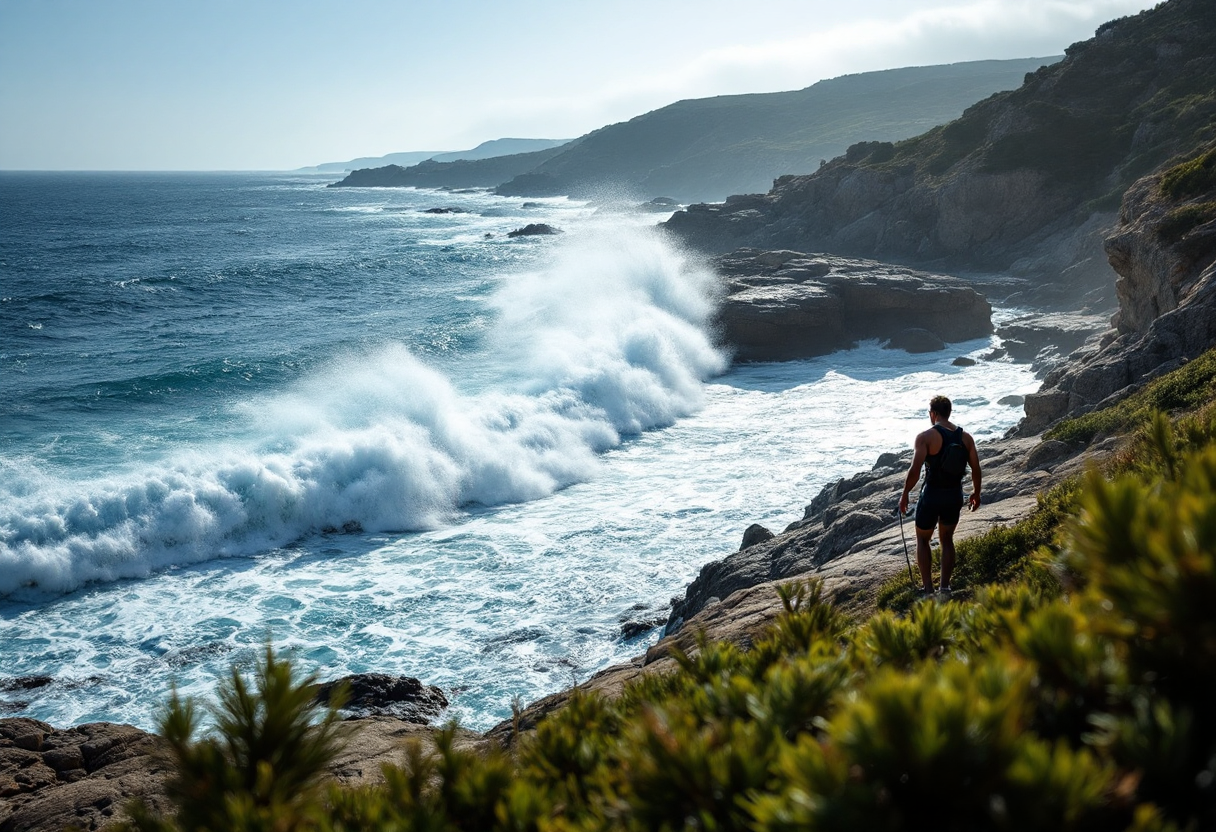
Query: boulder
[
  {"x": 754, "y": 534},
  {"x": 915, "y": 340},
  {"x": 963, "y": 361},
  {"x": 535, "y": 229},
  {"x": 381, "y": 694}
]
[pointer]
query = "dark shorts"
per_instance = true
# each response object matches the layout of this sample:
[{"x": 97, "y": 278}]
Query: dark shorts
[{"x": 938, "y": 505}]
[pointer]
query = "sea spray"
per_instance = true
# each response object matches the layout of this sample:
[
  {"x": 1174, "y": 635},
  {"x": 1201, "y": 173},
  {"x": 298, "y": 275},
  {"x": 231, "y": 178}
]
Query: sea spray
[{"x": 609, "y": 339}]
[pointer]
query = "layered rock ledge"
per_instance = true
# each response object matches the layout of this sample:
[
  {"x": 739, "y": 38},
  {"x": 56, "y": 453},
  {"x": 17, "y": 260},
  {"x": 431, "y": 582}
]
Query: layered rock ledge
[
  {"x": 1164, "y": 252},
  {"x": 790, "y": 304}
]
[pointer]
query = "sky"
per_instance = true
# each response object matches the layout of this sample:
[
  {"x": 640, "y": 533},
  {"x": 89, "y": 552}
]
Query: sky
[{"x": 276, "y": 85}]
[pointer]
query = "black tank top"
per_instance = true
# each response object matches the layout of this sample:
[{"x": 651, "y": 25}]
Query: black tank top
[{"x": 934, "y": 476}]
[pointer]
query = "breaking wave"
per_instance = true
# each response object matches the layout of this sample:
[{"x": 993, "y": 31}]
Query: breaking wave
[{"x": 611, "y": 339}]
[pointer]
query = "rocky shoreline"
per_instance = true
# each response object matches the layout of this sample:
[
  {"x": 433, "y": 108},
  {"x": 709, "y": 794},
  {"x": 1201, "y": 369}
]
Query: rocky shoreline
[
  {"x": 970, "y": 193},
  {"x": 848, "y": 536}
]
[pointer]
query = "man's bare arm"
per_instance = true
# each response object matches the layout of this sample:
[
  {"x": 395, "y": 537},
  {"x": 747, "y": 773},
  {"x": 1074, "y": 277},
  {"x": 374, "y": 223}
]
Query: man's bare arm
[
  {"x": 921, "y": 450},
  {"x": 976, "y": 475}
]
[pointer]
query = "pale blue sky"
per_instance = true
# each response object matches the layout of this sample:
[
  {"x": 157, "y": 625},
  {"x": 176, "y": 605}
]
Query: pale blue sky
[{"x": 271, "y": 84}]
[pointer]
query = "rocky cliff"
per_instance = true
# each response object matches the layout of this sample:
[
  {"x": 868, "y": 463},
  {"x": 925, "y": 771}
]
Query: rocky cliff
[
  {"x": 1025, "y": 181},
  {"x": 1164, "y": 252}
]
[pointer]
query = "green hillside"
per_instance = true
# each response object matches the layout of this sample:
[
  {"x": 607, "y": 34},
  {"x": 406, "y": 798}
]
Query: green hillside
[{"x": 707, "y": 148}]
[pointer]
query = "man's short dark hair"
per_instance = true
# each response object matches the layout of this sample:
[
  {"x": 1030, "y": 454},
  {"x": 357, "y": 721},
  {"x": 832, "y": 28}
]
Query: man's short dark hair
[{"x": 941, "y": 406}]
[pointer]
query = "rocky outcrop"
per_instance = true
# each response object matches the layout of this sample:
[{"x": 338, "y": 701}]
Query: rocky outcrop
[
  {"x": 787, "y": 304},
  {"x": 380, "y": 694},
  {"x": 1164, "y": 252},
  {"x": 83, "y": 776},
  {"x": 1011, "y": 181},
  {"x": 535, "y": 229}
]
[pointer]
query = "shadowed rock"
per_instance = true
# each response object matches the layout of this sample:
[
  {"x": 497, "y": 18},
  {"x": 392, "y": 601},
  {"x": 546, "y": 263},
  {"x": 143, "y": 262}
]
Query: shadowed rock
[
  {"x": 534, "y": 229},
  {"x": 915, "y": 340},
  {"x": 380, "y": 694},
  {"x": 788, "y": 304}
]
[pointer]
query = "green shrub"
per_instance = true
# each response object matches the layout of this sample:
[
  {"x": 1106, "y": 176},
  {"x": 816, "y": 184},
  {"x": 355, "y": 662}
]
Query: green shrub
[
  {"x": 263, "y": 765},
  {"x": 1192, "y": 177}
]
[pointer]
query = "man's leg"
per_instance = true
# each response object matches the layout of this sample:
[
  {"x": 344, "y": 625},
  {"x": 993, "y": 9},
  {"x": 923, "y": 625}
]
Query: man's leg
[
  {"x": 924, "y": 557},
  {"x": 946, "y": 538}
]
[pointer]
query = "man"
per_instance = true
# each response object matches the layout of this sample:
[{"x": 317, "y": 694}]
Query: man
[{"x": 941, "y": 497}]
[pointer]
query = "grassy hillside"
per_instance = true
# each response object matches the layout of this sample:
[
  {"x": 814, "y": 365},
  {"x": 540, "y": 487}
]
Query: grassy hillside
[
  {"x": 1072, "y": 694},
  {"x": 708, "y": 148},
  {"x": 1141, "y": 91}
]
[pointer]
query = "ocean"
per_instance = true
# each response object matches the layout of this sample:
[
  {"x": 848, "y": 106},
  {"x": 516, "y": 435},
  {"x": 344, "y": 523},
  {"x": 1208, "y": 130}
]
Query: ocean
[{"x": 246, "y": 408}]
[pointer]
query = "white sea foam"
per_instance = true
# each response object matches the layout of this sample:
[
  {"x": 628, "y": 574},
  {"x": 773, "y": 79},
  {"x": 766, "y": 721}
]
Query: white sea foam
[{"x": 609, "y": 340}]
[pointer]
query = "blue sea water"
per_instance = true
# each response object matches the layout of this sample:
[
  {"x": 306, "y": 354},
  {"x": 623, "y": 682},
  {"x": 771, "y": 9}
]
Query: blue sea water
[{"x": 241, "y": 407}]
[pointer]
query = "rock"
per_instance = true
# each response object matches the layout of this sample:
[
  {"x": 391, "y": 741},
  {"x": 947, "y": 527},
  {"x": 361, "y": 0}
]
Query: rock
[
  {"x": 1042, "y": 409},
  {"x": 915, "y": 340},
  {"x": 25, "y": 682},
  {"x": 1062, "y": 330},
  {"x": 444, "y": 211},
  {"x": 80, "y": 777},
  {"x": 534, "y": 229},
  {"x": 754, "y": 534},
  {"x": 1047, "y": 452},
  {"x": 789, "y": 304},
  {"x": 1011, "y": 401},
  {"x": 658, "y": 205},
  {"x": 380, "y": 694},
  {"x": 632, "y": 628},
  {"x": 964, "y": 361}
]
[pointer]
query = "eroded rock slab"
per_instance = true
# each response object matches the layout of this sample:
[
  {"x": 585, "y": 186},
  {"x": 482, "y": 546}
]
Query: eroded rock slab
[{"x": 789, "y": 304}]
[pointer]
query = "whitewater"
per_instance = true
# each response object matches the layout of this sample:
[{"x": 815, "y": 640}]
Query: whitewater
[{"x": 246, "y": 407}]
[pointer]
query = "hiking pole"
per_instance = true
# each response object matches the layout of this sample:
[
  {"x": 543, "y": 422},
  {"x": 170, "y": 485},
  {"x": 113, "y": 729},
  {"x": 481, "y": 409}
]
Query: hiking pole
[{"x": 911, "y": 577}]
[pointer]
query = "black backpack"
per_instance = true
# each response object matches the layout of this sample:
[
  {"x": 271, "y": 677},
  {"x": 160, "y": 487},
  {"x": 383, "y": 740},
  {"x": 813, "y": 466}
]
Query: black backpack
[{"x": 952, "y": 459}]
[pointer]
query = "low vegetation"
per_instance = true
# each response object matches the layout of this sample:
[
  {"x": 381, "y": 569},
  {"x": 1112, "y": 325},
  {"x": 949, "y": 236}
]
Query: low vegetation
[
  {"x": 1184, "y": 389},
  {"x": 1071, "y": 691},
  {"x": 1192, "y": 177}
]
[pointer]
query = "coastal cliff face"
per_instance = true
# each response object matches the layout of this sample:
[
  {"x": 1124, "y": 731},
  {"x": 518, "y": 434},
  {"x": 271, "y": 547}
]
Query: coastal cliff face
[
  {"x": 1023, "y": 181},
  {"x": 1164, "y": 252}
]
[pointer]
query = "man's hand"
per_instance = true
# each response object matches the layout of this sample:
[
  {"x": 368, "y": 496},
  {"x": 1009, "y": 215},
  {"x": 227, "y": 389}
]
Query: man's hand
[
  {"x": 974, "y": 500},
  {"x": 903, "y": 503}
]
